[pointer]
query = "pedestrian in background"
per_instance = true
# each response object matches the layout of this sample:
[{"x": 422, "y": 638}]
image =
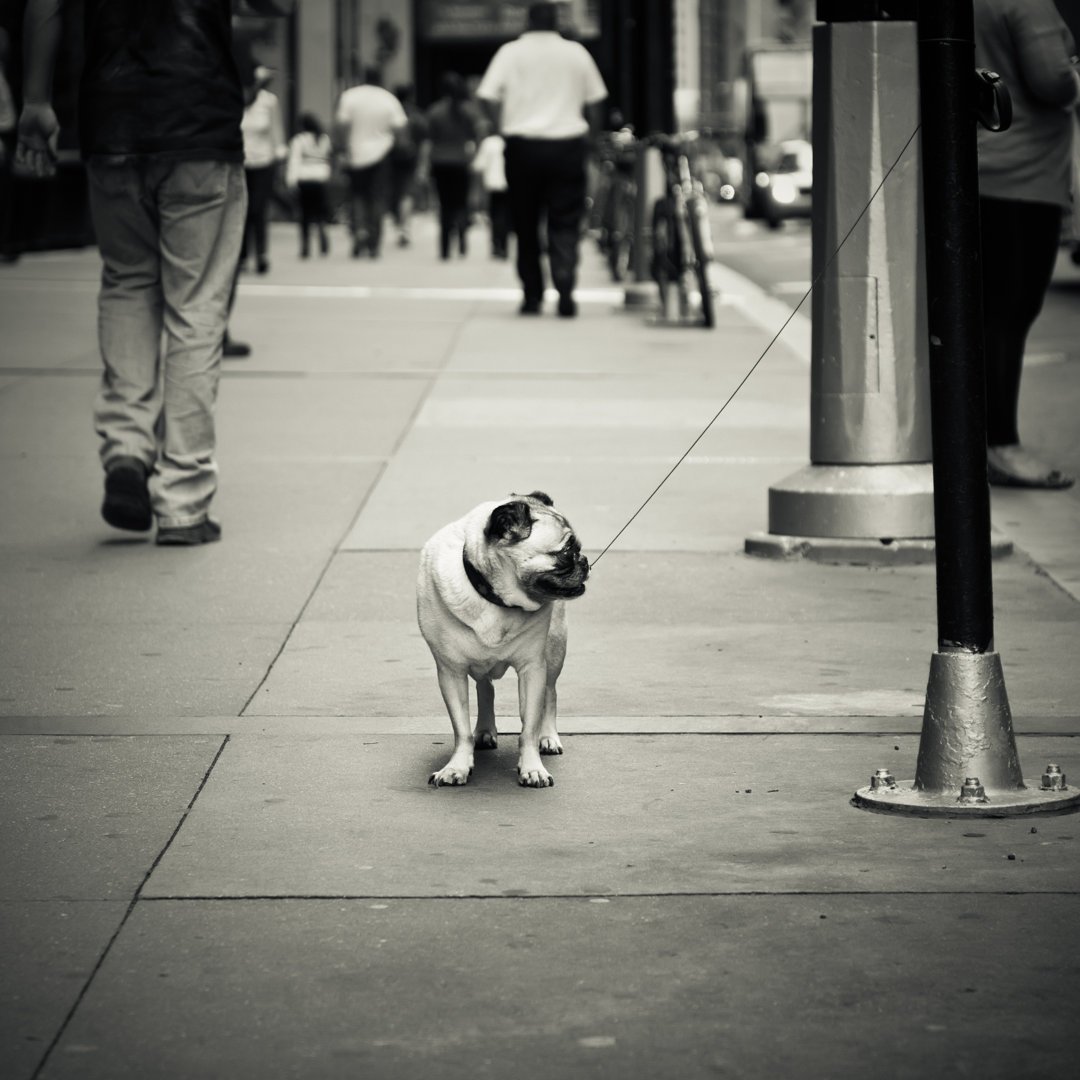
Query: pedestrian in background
[
  {"x": 9, "y": 251},
  {"x": 409, "y": 144},
  {"x": 307, "y": 174},
  {"x": 367, "y": 122},
  {"x": 160, "y": 105},
  {"x": 452, "y": 134},
  {"x": 264, "y": 150},
  {"x": 490, "y": 165},
  {"x": 544, "y": 94},
  {"x": 1024, "y": 186}
]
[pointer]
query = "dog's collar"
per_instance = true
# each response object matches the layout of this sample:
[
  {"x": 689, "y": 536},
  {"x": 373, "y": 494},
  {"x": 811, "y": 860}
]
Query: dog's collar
[{"x": 481, "y": 583}]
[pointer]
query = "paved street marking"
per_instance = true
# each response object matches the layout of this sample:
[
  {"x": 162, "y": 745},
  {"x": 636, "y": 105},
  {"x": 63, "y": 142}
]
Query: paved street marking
[
  {"x": 767, "y": 312},
  {"x": 389, "y": 292}
]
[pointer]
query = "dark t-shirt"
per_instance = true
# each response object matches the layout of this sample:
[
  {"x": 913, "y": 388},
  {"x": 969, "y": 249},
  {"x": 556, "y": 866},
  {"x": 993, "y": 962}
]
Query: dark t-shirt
[
  {"x": 159, "y": 80},
  {"x": 452, "y": 129}
]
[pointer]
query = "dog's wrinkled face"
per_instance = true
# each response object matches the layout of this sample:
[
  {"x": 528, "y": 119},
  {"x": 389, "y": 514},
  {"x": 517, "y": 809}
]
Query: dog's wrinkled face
[{"x": 541, "y": 545}]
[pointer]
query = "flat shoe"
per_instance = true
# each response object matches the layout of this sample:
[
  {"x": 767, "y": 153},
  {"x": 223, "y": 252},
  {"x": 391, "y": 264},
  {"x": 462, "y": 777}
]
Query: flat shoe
[
  {"x": 1012, "y": 465},
  {"x": 1054, "y": 480},
  {"x": 205, "y": 532}
]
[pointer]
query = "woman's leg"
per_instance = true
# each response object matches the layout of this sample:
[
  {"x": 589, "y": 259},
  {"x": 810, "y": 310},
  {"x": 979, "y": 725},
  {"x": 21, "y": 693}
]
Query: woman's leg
[{"x": 1019, "y": 248}]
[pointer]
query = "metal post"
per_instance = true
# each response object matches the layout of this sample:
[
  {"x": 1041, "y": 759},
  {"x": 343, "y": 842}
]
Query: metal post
[
  {"x": 967, "y": 764},
  {"x": 957, "y": 379},
  {"x": 650, "y": 38},
  {"x": 870, "y": 476}
]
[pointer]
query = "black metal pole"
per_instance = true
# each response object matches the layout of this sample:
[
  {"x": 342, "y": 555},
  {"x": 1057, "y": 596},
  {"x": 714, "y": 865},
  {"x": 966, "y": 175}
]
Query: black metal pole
[
  {"x": 954, "y": 298},
  {"x": 655, "y": 27}
]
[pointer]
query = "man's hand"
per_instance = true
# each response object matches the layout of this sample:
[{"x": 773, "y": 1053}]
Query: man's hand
[{"x": 35, "y": 154}]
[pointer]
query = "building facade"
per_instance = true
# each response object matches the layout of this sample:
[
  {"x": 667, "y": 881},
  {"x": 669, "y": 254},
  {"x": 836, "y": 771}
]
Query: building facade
[{"x": 317, "y": 49}]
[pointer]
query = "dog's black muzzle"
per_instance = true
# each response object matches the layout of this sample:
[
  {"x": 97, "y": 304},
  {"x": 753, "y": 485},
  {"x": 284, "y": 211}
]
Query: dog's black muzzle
[{"x": 567, "y": 580}]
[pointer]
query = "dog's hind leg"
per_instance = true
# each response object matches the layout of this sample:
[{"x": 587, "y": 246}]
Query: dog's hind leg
[{"x": 485, "y": 737}]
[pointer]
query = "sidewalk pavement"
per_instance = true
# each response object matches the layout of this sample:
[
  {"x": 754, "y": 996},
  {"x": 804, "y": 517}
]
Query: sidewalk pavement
[{"x": 220, "y": 854}]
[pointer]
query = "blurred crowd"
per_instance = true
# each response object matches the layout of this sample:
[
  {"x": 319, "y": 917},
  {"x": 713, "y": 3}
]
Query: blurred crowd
[{"x": 377, "y": 161}]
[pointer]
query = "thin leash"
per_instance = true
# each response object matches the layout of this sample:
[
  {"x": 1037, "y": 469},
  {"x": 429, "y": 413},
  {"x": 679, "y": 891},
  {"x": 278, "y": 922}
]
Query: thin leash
[{"x": 753, "y": 367}]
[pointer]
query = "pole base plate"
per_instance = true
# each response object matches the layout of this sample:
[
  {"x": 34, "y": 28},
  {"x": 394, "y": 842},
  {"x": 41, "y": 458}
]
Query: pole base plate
[
  {"x": 904, "y": 798},
  {"x": 856, "y": 552},
  {"x": 855, "y": 501}
]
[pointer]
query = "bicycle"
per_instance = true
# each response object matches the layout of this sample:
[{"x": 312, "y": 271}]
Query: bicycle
[
  {"x": 616, "y": 201},
  {"x": 681, "y": 239}
]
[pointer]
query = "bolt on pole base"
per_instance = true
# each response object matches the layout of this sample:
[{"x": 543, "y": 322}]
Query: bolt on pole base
[
  {"x": 968, "y": 765},
  {"x": 905, "y": 798}
]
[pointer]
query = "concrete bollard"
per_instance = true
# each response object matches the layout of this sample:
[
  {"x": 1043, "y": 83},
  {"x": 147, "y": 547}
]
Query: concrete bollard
[{"x": 870, "y": 474}]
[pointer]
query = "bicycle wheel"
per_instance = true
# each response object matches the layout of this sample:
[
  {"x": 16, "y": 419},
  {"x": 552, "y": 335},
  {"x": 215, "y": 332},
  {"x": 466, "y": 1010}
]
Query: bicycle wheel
[
  {"x": 621, "y": 239},
  {"x": 667, "y": 260},
  {"x": 696, "y": 211}
]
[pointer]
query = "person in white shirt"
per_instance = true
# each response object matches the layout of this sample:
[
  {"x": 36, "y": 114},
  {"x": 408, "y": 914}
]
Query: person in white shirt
[
  {"x": 264, "y": 148},
  {"x": 367, "y": 122},
  {"x": 544, "y": 94},
  {"x": 490, "y": 164},
  {"x": 307, "y": 174}
]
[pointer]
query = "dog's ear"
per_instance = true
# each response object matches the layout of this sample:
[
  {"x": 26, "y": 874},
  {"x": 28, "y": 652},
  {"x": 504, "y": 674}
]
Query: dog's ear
[
  {"x": 542, "y": 496},
  {"x": 511, "y": 523}
]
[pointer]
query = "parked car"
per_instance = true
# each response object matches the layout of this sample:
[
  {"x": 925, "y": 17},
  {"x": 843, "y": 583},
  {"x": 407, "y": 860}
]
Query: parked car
[{"x": 784, "y": 185}]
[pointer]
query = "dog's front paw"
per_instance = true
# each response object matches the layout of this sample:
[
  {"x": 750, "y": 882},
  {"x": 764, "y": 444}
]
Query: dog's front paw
[
  {"x": 486, "y": 740},
  {"x": 450, "y": 775},
  {"x": 535, "y": 777},
  {"x": 550, "y": 744}
]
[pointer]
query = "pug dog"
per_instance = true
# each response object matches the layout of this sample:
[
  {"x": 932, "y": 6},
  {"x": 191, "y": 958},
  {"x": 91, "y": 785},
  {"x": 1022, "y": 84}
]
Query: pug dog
[{"x": 490, "y": 595}]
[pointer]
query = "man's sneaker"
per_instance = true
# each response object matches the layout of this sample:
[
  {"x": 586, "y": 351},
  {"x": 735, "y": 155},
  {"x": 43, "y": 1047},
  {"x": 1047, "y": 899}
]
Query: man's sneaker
[
  {"x": 235, "y": 350},
  {"x": 127, "y": 500},
  {"x": 205, "y": 532},
  {"x": 529, "y": 306},
  {"x": 567, "y": 306}
]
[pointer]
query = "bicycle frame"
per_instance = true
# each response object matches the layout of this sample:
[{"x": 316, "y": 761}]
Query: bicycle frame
[{"x": 682, "y": 244}]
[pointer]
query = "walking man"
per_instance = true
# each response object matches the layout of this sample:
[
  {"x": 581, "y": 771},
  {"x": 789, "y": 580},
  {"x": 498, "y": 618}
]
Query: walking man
[
  {"x": 159, "y": 126},
  {"x": 368, "y": 121},
  {"x": 544, "y": 93}
]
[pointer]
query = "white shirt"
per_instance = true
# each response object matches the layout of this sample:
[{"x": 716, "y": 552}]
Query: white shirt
[
  {"x": 372, "y": 115},
  {"x": 543, "y": 82},
  {"x": 263, "y": 131},
  {"x": 310, "y": 159}
]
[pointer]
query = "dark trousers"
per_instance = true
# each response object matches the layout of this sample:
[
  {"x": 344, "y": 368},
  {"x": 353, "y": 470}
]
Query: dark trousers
[
  {"x": 1019, "y": 248},
  {"x": 314, "y": 210},
  {"x": 9, "y": 248},
  {"x": 499, "y": 212},
  {"x": 369, "y": 195},
  {"x": 260, "y": 184},
  {"x": 452, "y": 186},
  {"x": 402, "y": 182},
  {"x": 546, "y": 180}
]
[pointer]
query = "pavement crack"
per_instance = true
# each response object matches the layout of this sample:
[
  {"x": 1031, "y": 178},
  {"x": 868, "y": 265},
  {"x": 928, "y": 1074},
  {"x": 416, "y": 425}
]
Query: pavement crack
[{"x": 128, "y": 911}]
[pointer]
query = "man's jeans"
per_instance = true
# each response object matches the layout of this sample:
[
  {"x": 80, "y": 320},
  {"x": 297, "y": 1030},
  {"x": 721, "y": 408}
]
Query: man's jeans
[
  {"x": 369, "y": 195},
  {"x": 169, "y": 235}
]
